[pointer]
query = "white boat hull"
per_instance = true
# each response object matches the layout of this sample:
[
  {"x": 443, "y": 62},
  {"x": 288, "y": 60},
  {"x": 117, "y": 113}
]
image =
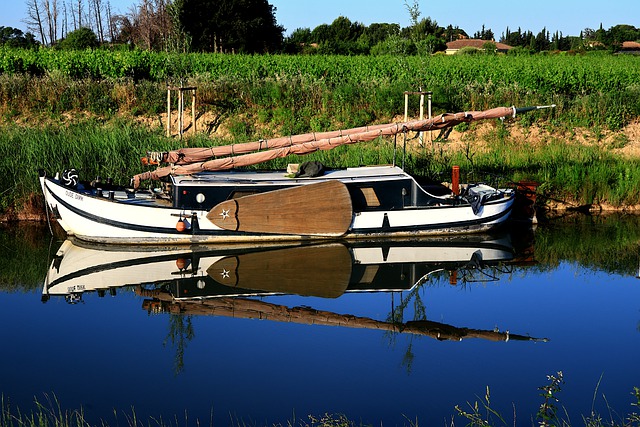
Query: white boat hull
[{"x": 143, "y": 221}]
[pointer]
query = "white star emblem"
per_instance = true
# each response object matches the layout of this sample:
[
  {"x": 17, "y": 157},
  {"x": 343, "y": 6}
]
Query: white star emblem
[
  {"x": 225, "y": 213},
  {"x": 224, "y": 274}
]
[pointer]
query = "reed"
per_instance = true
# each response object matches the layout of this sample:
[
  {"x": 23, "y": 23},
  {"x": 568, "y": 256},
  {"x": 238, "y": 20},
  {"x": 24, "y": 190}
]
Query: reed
[{"x": 579, "y": 174}]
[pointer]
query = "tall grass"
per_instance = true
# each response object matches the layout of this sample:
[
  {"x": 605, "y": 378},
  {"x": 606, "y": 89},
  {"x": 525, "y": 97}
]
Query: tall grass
[
  {"x": 574, "y": 172},
  {"x": 579, "y": 174}
]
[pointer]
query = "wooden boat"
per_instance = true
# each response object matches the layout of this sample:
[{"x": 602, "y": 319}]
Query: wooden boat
[
  {"x": 225, "y": 281},
  {"x": 214, "y": 201}
]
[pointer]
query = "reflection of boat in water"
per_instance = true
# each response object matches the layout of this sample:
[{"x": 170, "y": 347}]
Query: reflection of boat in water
[
  {"x": 323, "y": 270},
  {"x": 221, "y": 280}
]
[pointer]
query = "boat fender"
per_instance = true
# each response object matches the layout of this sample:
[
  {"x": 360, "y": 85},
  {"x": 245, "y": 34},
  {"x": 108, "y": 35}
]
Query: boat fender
[
  {"x": 181, "y": 225},
  {"x": 70, "y": 178}
]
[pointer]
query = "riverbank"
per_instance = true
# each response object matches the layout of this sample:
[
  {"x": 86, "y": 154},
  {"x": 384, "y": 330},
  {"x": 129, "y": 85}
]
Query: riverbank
[
  {"x": 99, "y": 112},
  {"x": 581, "y": 169}
]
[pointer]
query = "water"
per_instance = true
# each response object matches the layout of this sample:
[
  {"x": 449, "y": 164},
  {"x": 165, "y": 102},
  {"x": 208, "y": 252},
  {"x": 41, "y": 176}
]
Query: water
[{"x": 185, "y": 346}]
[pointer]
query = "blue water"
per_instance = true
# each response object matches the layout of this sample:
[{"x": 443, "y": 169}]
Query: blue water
[{"x": 110, "y": 357}]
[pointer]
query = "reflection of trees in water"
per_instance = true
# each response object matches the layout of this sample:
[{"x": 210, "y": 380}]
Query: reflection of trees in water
[
  {"x": 27, "y": 251},
  {"x": 180, "y": 333},
  {"x": 598, "y": 242}
]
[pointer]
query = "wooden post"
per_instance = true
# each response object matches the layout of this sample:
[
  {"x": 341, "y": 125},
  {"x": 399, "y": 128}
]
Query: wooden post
[
  {"x": 193, "y": 109},
  {"x": 429, "y": 114},
  {"x": 168, "y": 111},
  {"x": 406, "y": 110},
  {"x": 180, "y": 111},
  {"x": 180, "y": 108},
  {"x": 406, "y": 106},
  {"x": 420, "y": 135}
]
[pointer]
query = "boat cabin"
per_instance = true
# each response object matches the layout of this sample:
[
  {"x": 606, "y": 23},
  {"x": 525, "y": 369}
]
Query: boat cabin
[{"x": 371, "y": 188}]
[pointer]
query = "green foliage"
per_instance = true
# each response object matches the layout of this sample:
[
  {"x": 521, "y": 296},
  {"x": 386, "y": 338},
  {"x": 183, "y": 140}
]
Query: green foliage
[
  {"x": 548, "y": 411},
  {"x": 481, "y": 415},
  {"x": 82, "y": 38},
  {"x": 469, "y": 50},
  {"x": 111, "y": 151},
  {"x": 394, "y": 45},
  {"x": 484, "y": 415},
  {"x": 15, "y": 38}
]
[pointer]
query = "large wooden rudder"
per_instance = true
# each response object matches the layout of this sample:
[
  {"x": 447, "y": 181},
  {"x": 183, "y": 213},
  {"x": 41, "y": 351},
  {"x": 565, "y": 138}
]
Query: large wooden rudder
[{"x": 315, "y": 209}]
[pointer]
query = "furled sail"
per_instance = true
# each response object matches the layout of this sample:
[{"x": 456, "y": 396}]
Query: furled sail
[{"x": 192, "y": 160}]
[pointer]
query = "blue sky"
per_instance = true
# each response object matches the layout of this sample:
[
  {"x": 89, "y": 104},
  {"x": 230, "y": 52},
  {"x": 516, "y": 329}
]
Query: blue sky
[{"x": 567, "y": 16}]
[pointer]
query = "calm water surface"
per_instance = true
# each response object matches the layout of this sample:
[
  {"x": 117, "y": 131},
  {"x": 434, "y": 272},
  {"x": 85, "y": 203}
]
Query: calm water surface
[{"x": 385, "y": 333}]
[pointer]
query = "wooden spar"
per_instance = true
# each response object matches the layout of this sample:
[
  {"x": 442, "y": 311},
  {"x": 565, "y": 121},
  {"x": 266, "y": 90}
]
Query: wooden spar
[
  {"x": 254, "y": 309},
  {"x": 322, "y": 209},
  {"x": 322, "y": 270},
  {"x": 364, "y": 133},
  {"x": 192, "y": 160}
]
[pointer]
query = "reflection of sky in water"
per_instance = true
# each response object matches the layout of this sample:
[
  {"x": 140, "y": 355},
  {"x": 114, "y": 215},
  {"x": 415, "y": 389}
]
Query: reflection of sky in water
[{"x": 109, "y": 353}]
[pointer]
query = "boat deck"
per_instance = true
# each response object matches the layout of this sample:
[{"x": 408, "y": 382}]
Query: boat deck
[{"x": 280, "y": 177}]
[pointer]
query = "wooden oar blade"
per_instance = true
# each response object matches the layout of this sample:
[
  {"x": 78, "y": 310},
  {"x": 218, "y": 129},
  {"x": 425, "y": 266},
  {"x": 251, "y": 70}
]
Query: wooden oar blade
[
  {"x": 322, "y": 209},
  {"x": 322, "y": 271}
]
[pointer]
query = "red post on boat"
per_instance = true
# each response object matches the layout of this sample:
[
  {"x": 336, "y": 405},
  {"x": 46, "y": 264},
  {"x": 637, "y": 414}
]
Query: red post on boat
[{"x": 455, "y": 180}]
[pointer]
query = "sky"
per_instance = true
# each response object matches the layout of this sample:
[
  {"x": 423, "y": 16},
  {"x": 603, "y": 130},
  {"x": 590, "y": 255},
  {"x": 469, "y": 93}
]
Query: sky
[{"x": 567, "y": 16}]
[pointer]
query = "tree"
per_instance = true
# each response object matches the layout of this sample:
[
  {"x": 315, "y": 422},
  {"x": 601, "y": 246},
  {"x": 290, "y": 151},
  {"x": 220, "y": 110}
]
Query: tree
[
  {"x": 414, "y": 11},
  {"x": 394, "y": 45},
  {"x": 247, "y": 26},
  {"x": 82, "y": 38},
  {"x": 13, "y": 37},
  {"x": 42, "y": 19},
  {"x": 484, "y": 34},
  {"x": 541, "y": 41},
  {"x": 375, "y": 33},
  {"x": 454, "y": 33},
  {"x": 624, "y": 33},
  {"x": 430, "y": 45},
  {"x": 300, "y": 41},
  {"x": 342, "y": 37}
]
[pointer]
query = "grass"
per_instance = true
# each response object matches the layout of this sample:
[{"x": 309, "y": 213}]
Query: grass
[
  {"x": 550, "y": 412},
  {"x": 579, "y": 174},
  {"x": 79, "y": 109},
  {"x": 478, "y": 414}
]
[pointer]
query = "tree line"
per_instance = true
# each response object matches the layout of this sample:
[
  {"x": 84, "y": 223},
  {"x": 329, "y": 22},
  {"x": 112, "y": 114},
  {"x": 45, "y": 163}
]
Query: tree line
[{"x": 250, "y": 26}]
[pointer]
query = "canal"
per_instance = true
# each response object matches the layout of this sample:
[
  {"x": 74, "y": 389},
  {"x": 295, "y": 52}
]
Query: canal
[{"x": 382, "y": 332}]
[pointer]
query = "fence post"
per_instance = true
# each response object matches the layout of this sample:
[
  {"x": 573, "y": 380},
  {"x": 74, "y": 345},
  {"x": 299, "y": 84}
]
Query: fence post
[
  {"x": 180, "y": 107},
  {"x": 168, "y": 111}
]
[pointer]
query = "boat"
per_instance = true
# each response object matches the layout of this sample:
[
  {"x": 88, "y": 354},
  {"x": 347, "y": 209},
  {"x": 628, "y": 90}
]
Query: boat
[
  {"x": 215, "y": 201},
  {"x": 236, "y": 280}
]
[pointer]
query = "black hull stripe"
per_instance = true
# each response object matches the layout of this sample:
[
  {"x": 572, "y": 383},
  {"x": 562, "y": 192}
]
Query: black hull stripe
[{"x": 173, "y": 231}]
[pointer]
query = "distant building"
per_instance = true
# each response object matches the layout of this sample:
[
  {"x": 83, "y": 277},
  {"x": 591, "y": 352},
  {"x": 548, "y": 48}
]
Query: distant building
[
  {"x": 456, "y": 45},
  {"x": 630, "y": 47}
]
